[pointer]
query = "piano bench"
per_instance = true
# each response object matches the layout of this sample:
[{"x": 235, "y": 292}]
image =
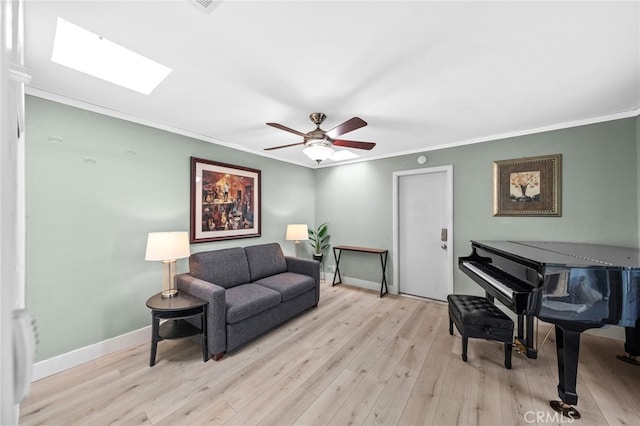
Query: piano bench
[{"x": 477, "y": 317}]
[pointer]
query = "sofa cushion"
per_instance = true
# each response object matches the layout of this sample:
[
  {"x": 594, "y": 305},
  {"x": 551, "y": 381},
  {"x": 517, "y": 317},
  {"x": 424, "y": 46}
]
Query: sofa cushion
[
  {"x": 226, "y": 268},
  {"x": 247, "y": 300},
  {"x": 265, "y": 260},
  {"x": 288, "y": 284}
]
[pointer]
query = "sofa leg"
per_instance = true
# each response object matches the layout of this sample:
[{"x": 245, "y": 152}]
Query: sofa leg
[{"x": 218, "y": 357}]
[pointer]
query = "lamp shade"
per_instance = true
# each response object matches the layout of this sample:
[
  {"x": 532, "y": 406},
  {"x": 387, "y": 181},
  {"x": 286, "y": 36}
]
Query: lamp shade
[
  {"x": 297, "y": 232},
  {"x": 167, "y": 246}
]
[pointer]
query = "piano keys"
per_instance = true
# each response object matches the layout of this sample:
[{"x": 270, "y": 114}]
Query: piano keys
[
  {"x": 573, "y": 286},
  {"x": 510, "y": 279}
]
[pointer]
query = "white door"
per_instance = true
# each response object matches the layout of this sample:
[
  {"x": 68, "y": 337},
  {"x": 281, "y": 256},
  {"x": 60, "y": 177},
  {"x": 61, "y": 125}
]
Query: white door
[{"x": 423, "y": 218}]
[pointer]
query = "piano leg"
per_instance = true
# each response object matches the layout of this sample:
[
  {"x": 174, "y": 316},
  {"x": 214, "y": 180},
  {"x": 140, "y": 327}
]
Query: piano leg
[
  {"x": 567, "y": 348},
  {"x": 631, "y": 345},
  {"x": 524, "y": 337},
  {"x": 520, "y": 327}
]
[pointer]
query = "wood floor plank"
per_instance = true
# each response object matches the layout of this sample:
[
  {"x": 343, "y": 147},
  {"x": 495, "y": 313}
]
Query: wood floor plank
[
  {"x": 324, "y": 408},
  {"x": 355, "y": 359},
  {"x": 206, "y": 409},
  {"x": 338, "y": 361},
  {"x": 56, "y": 405},
  {"x": 362, "y": 400},
  {"x": 373, "y": 349},
  {"x": 275, "y": 394},
  {"x": 48, "y": 386},
  {"x": 391, "y": 402},
  {"x": 433, "y": 357},
  {"x": 140, "y": 419},
  {"x": 290, "y": 410},
  {"x": 251, "y": 386},
  {"x": 483, "y": 408},
  {"x": 359, "y": 403}
]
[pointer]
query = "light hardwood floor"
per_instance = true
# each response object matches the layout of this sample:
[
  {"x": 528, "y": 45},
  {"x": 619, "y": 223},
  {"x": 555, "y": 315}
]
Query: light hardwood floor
[{"x": 356, "y": 359}]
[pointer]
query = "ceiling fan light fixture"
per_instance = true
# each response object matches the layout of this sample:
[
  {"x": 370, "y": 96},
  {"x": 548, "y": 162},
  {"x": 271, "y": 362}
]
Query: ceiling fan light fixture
[
  {"x": 319, "y": 144},
  {"x": 318, "y": 152}
]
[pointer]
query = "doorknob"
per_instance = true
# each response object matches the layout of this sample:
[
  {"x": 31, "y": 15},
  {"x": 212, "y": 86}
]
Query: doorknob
[{"x": 443, "y": 247}]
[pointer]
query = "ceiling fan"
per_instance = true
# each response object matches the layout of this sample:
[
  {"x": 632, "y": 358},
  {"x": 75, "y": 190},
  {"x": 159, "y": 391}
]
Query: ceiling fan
[{"x": 318, "y": 143}]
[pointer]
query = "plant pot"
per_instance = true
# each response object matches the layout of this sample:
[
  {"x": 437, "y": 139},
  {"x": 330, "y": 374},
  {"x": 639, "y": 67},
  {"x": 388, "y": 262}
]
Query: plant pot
[{"x": 318, "y": 257}]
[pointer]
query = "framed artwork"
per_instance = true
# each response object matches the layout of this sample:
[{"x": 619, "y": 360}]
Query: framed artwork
[
  {"x": 528, "y": 186},
  {"x": 225, "y": 201}
]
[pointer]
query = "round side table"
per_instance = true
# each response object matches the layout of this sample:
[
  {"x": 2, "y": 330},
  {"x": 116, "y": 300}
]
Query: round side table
[{"x": 176, "y": 310}]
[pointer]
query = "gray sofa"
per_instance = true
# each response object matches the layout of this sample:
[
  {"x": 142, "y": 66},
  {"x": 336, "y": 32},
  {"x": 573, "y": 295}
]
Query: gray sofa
[{"x": 250, "y": 290}]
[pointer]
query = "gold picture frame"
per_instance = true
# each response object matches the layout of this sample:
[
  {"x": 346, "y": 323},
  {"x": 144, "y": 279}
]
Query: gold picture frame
[{"x": 529, "y": 186}]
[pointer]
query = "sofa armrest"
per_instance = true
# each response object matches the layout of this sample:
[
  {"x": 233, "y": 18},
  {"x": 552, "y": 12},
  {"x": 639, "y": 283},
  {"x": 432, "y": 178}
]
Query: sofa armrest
[
  {"x": 305, "y": 267},
  {"x": 216, "y": 310}
]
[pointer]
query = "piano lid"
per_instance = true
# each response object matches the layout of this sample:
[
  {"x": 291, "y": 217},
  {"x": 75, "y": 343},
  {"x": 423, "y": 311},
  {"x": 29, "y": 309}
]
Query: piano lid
[{"x": 574, "y": 254}]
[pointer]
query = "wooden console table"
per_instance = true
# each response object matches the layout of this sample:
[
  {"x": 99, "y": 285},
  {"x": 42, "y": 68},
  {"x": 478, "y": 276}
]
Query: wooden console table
[{"x": 337, "y": 253}]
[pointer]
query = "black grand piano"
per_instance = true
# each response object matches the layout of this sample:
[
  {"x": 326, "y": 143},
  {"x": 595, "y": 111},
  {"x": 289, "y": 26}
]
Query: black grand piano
[{"x": 573, "y": 286}]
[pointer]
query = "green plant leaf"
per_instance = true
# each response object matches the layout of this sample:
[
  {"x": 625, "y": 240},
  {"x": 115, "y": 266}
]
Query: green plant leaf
[{"x": 319, "y": 237}]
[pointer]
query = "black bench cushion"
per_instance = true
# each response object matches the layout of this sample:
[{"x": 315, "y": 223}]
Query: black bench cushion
[{"x": 478, "y": 311}]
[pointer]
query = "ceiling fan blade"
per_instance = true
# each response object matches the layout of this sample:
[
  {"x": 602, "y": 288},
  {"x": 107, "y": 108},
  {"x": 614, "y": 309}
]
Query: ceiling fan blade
[
  {"x": 346, "y": 127},
  {"x": 284, "y": 146},
  {"x": 354, "y": 144},
  {"x": 286, "y": 129}
]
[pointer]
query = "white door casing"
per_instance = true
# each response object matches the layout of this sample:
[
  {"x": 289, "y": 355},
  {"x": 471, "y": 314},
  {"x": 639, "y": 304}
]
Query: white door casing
[{"x": 422, "y": 255}]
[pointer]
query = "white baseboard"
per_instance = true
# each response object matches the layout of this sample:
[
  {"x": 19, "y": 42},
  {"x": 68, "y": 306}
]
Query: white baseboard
[
  {"x": 76, "y": 357},
  {"x": 369, "y": 285}
]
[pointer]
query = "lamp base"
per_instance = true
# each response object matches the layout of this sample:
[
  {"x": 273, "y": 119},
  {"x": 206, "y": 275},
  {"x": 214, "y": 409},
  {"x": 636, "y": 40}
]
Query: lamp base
[
  {"x": 169, "y": 289},
  {"x": 167, "y": 294}
]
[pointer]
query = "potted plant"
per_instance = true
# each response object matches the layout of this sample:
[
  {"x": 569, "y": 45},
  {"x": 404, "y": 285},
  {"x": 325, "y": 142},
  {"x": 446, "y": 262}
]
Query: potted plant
[{"x": 319, "y": 240}]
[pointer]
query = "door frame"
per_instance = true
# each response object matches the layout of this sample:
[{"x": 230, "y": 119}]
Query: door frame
[
  {"x": 448, "y": 169},
  {"x": 13, "y": 77}
]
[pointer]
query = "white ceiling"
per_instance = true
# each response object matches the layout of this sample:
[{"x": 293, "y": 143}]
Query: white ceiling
[{"x": 423, "y": 74}]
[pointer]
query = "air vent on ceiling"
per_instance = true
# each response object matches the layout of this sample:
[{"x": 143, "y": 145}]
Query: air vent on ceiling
[{"x": 205, "y": 6}]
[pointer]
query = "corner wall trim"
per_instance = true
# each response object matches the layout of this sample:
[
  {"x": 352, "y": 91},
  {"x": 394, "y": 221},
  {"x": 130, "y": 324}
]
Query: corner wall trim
[{"x": 76, "y": 357}]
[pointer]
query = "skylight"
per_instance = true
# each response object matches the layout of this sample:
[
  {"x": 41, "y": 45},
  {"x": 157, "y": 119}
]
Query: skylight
[{"x": 84, "y": 51}]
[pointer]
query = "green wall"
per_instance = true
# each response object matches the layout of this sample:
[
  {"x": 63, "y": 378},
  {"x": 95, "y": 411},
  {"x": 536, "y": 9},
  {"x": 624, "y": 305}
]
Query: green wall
[
  {"x": 599, "y": 195},
  {"x": 96, "y": 186}
]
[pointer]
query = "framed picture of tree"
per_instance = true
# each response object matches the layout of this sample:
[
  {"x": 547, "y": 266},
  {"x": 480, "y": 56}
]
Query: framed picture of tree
[
  {"x": 529, "y": 186},
  {"x": 225, "y": 201}
]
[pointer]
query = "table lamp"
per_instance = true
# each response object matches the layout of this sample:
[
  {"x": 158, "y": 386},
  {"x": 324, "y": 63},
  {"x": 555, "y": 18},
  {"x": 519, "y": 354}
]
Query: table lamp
[
  {"x": 167, "y": 247},
  {"x": 297, "y": 233}
]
